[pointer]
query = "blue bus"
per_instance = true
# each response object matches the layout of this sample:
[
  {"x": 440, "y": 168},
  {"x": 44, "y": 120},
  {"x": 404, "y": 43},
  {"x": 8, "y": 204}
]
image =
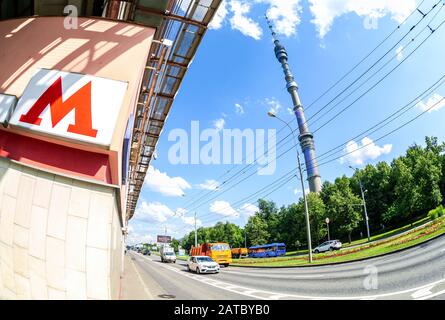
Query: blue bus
[{"x": 268, "y": 250}]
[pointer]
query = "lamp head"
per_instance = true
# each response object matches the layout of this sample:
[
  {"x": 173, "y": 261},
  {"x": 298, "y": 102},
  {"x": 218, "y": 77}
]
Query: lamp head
[{"x": 271, "y": 114}]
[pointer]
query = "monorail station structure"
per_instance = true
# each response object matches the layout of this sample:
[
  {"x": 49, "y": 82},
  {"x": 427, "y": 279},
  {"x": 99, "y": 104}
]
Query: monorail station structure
[{"x": 82, "y": 104}]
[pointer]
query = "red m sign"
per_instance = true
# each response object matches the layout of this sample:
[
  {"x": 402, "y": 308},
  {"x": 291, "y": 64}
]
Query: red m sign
[{"x": 80, "y": 102}]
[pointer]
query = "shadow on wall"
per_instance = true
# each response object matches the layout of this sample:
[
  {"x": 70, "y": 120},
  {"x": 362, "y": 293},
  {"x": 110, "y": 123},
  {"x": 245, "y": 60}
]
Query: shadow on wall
[{"x": 95, "y": 46}]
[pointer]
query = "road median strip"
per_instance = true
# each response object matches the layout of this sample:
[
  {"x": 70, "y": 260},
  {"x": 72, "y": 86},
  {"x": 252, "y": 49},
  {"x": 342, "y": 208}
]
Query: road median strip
[{"x": 393, "y": 245}]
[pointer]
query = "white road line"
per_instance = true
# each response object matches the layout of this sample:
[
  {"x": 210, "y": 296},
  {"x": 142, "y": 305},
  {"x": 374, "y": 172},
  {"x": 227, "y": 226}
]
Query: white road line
[
  {"x": 274, "y": 277},
  {"x": 432, "y": 295},
  {"x": 249, "y": 291},
  {"x": 422, "y": 293}
]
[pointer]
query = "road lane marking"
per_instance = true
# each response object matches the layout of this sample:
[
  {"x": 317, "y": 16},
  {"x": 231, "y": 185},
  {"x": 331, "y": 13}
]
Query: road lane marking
[
  {"x": 432, "y": 295},
  {"x": 260, "y": 275},
  {"x": 250, "y": 291},
  {"x": 422, "y": 293}
]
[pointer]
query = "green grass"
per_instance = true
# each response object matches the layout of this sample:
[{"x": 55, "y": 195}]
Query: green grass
[
  {"x": 377, "y": 237},
  {"x": 183, "y": 258},
  {"x": 406, "y": 240}
]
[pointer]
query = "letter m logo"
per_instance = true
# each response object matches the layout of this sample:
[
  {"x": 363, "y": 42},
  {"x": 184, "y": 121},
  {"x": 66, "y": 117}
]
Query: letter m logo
[{"x": 80, "y": 102}]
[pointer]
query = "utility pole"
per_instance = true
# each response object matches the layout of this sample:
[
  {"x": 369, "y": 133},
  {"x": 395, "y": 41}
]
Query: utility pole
[
  {"x": 364, "y": 203},
  {"x": 165, "y": 243},
  {"x": 306, "y": 208},
  {"x": 306, "y": 137},
  {"x": 196, "y": 233}
]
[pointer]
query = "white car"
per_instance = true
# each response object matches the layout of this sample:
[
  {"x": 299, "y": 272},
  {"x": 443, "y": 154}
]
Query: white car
[
  {"x": 168, "y": 257},
  {"x": 202, "y": 264},
  {"x": 328, "y": 246}
]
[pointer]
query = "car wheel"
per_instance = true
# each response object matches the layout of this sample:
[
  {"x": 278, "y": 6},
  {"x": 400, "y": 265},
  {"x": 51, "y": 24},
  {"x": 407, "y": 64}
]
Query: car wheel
[
  {"x": 188, "y": 269},
  {"x": 331, "y": 249},
  {"x": 316, "y": 251},
  {"x": 198, "y": 271}
]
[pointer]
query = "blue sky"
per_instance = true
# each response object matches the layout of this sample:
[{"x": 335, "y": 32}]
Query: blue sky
[{"x": 235, "y": 80}]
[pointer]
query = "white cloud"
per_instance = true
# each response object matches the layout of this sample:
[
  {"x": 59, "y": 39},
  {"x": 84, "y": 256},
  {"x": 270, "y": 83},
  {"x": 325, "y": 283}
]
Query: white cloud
[
  {"x": 239, "y": 21},
  {"x": 239, "y": 108},
  {"x": 219, "y": 17},
  {"x": 160, "y": 182},
  {"x": 326, "y": 11},
  {"x": 191, "y": 221},
  {"x": 299, "y": 191},
  {"x": 180, "y": 212},
  {"x": 434, "y": 103},
  {"x": 399, "y": 52},
  {"x": 209, "y": 185},
  {"x": 219, "y": 124},
  {"x": 249, "y": 209},
  {"x": 135, "y": 238},
  {"x": 370, "y": 150},
  {"x": 274, "y": 105},
  {"x": 285, "y": 15},
  {"x": 153, "y": 212},
  {"x": 223, "y": 208}
]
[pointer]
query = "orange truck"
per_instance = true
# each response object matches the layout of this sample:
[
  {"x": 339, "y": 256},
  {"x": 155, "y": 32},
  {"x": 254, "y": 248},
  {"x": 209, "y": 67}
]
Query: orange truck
[
  {"x": 219, "y": 252},
  {"x": 238, "y": 253}
]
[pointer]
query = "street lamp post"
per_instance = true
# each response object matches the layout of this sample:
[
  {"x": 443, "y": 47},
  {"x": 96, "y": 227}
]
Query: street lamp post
[
  {"x": 306, "y": 208},
  {"x": 196, "y": 233},
  {"x": 364, "y": 203}
]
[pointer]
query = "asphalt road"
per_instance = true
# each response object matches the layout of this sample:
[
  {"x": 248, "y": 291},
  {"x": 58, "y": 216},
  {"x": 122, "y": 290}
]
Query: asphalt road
[{"x": 417, "y": 273}]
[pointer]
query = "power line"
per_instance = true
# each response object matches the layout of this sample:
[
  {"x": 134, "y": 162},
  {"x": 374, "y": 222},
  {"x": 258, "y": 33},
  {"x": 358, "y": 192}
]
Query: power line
[
  {"x": 378, "y": 82},
  {"x": 371, "y": 67},
  {"x": 391, "y": 118},
  {"x": 380, "y": 69},
  {"x": 387, "y": 134},
  {"x": 216, "y": 186},
  {"x": 243, "y": 172},
  {"x": 365, "y": 58}
]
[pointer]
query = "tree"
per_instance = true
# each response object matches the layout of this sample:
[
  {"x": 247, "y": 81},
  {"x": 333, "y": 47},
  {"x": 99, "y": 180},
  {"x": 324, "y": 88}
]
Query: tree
[
  {"x": 317, "y": 214},
  {"x": 293, "y": 230},
  {"x": 175, "y": 244},
  {"x": 257, "y": 233},
  {"x": 379, "y": 196},
  {"x": 417, "y": 180},
  {"x": 343, "y": 207}
]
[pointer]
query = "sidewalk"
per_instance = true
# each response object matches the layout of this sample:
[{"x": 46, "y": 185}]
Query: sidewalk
[{"x": 134, "y": 282}]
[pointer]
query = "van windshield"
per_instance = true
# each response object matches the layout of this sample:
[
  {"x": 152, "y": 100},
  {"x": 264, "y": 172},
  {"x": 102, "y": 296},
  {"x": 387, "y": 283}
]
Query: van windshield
[{"x": 220, "y": 247}]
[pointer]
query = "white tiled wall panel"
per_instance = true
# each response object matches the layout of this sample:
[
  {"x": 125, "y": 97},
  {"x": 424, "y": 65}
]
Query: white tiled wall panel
[{"x": 60, "y": 238}]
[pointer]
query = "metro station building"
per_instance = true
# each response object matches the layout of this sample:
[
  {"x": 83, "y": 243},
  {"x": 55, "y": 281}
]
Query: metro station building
[{"x": 83, "y": 101}]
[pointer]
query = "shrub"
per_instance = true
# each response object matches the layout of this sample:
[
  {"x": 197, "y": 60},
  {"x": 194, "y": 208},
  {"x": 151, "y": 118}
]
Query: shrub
[{"x": 436, "y": 213}]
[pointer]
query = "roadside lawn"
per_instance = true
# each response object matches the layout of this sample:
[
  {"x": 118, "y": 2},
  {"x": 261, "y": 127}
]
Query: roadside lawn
[
  {"x": 373, "y": 238},
  {"x": 411, "y": 238}
]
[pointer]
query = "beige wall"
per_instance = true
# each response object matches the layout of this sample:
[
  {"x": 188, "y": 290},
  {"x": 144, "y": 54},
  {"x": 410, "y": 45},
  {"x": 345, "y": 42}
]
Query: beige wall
[{"x": 59, "y": 238}]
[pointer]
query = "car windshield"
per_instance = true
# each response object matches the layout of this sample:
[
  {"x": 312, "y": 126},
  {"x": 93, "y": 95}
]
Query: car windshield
[
  {"x": 169, "y": 254},
  {"x": 204, "y": 259}
]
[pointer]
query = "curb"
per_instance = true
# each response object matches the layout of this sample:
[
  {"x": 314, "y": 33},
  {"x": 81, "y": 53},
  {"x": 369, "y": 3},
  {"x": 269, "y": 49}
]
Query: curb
[{"x": 344, "y": 262}]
